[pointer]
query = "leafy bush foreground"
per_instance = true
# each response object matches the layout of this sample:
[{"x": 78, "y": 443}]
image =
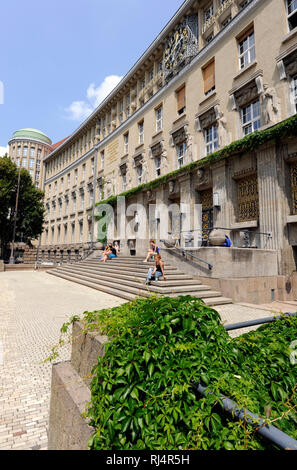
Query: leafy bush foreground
[{"x": 143, "y": 394}]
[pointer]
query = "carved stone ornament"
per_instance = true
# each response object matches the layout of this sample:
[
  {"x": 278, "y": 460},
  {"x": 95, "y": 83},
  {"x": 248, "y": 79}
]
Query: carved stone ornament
[
  {"x": 181, "y": 46},
  {"x": 203, "y": 177},
  {"x": 246, "y": 94},
  {"x": 137, "y": 160},
  {"x": 171, "y": 186},
  {"x": 207, "y": 119},
  {"x": 270, "y": 105},
  {"x": 179, "y": 136},
  {"x": 108, "y": 188},
  {"x": 123, "y": 169},
  {"x": 156, "y": 150}
]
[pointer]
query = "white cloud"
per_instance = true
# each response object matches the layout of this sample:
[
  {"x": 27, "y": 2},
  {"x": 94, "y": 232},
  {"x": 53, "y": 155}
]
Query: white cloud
[
  {"x": 80, "y": 110},
  {"x": 3, "y": 151}
]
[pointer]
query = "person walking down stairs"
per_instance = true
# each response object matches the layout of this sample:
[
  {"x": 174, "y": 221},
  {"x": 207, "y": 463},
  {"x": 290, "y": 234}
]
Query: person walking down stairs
[{"x": 157, "y": 272}]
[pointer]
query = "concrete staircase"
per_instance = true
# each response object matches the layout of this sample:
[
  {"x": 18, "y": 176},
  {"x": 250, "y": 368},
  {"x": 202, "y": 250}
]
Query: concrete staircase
[{"x": 125, "y": 277}]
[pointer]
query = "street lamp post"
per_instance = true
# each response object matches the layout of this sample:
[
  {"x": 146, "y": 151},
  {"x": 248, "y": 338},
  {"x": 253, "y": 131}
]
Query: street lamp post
[{"x": 11, "y": 259}]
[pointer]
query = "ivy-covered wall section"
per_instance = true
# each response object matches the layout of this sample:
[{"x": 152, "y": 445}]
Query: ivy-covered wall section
[{"x": 285, "y": 129}]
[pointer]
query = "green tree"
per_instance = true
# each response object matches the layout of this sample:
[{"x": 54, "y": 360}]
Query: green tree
[{"x": 30, "y": 214}]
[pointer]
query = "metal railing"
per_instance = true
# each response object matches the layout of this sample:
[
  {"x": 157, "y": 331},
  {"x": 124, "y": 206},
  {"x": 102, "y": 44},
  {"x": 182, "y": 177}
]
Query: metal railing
[
  {"x": 267, "y": 431},
  {"x": 246, "y": 234},
  {"x": 185, "y": 253}
]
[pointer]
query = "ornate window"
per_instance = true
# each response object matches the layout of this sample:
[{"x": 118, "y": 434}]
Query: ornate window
[
  {"x": 208, "y": 13},
  {"x": 250, "y": 117},
  {"x": 32, "y": 151},
  {"x": 31, "y": 163},
  {"x": 246, "y": 49},
  {"x": 24, "y": 162},
  {"x": 248, "y": 198},
  {"x": 292, "y": 13},
  {"x": 211, "y": 139}
]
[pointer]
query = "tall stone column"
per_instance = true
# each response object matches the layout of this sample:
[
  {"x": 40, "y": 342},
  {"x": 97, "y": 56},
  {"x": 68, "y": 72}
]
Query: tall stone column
[
  {"x": 223, "y": 186},
  {"x": 273, "y": 203}
]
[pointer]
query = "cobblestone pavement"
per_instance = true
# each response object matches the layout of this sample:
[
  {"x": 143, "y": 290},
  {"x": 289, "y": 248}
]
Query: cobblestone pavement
[{"x": 33, "y": 307}]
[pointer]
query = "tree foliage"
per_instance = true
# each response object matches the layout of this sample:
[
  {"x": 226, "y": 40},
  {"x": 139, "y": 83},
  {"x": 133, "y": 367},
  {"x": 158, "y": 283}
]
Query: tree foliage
[{"x": 30, "y": 214}]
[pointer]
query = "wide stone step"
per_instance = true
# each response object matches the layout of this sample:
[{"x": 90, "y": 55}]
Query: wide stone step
[
  {"x": 138, "y": 285},
  {"x": 210, "y": 298},
  {"x": 175, "y": 280},
  {"x": 217, "y": 301},
  {"x": 127, "y": 295},
  {"x": 115, "y": 265}
]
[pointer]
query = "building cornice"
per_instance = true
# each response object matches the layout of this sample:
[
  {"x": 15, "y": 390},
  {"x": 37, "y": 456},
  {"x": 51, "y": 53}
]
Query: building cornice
[
  {"x": 159, "y": 95},
  {"x": 161, "y": 37},
  {"x": 27, "y": 139}
]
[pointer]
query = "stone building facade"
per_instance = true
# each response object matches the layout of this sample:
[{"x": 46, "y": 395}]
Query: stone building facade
[
  {"x": 28, "y": 148},
  {"x": 219, "y": 71}
]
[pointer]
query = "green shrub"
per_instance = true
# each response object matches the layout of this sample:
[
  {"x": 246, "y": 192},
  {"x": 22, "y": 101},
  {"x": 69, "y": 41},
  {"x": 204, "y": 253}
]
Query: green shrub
[{"x": 142, "y": 391}]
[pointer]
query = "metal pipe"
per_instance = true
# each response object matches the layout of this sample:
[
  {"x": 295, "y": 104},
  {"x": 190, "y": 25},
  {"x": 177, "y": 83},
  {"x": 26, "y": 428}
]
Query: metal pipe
[
  {"x": 269, "y": 432},
  {"x": 259, "y": 321}
]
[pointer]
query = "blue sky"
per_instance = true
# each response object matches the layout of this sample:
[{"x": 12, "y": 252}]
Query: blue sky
[{"x": 59, "y": 57}]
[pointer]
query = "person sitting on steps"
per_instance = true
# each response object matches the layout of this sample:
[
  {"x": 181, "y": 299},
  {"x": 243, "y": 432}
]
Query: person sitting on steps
[
  {"x": 158, "y": 271},
  {"x": 153, "y": 250},
  {"x": 110, "y": 253}
]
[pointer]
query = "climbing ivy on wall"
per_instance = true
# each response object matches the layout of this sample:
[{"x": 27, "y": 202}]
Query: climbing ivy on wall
[{"x": 287, "y": 128}]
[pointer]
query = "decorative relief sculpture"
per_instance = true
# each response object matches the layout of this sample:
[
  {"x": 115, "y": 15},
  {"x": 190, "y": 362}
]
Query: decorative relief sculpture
[
  {"x": 144, "y": 178},
  {"x": 181, "y": 46},
  {"x": 270, "y": 105},
  {"x": 222, "y": 130},
  {"x": 203, "y": 177},
  {"x": 108, "y": 188}
]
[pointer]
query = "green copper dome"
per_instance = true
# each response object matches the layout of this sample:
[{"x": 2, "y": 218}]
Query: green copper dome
[{"x": 33, "y": 134}]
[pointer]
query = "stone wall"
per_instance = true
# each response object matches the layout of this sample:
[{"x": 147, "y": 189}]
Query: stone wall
[{"x": 70, "y": 393}]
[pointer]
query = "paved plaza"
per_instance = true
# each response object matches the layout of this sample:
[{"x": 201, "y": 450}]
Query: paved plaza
[{"x": 33, "y": 306}]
